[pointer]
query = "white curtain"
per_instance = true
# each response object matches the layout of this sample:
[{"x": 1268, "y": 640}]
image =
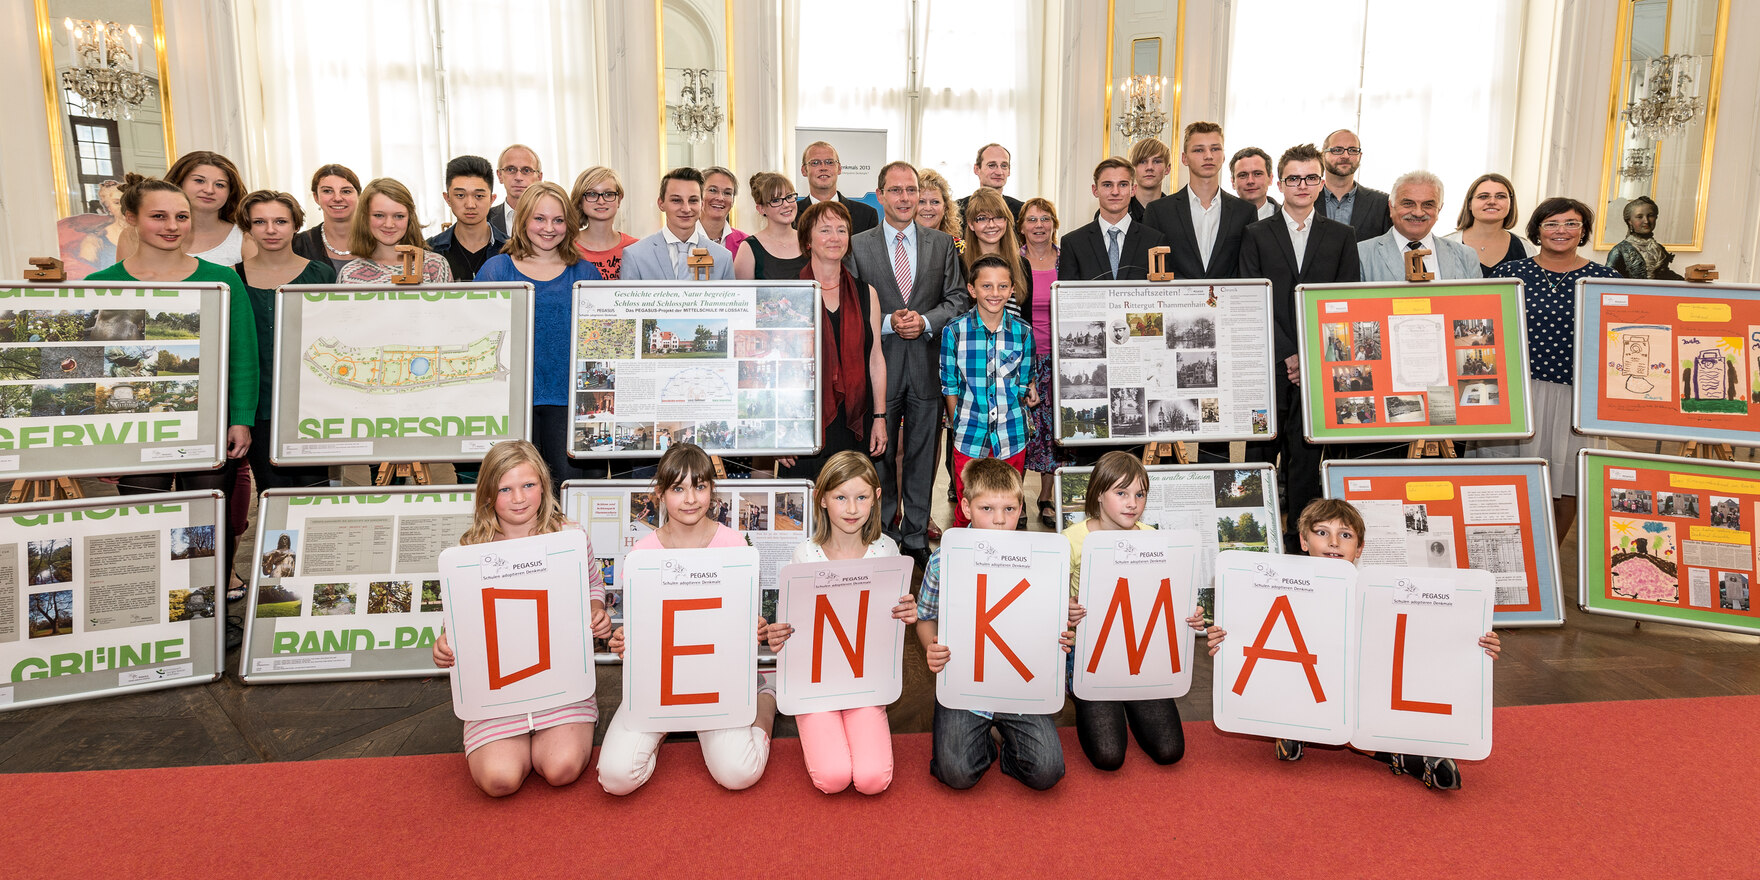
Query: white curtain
[
  {"x": 1424, "y": 85},
  {"x": 395, "y": 88}
]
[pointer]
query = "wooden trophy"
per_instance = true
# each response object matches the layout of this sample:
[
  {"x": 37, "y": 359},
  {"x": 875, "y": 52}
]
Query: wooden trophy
[
  {"x": 1158, "y": 264},
  {"x": 700, "y": 263},
  {"x": 1698, "y": 273},
  {"x": 412, "y": 268},
  {"x": 1415, "y": 265},
  {"x": 45, "y": 269}
]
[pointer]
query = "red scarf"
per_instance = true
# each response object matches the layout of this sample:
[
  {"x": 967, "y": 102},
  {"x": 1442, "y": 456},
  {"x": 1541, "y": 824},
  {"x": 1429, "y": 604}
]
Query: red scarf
[{"x": 844, "y": 352}]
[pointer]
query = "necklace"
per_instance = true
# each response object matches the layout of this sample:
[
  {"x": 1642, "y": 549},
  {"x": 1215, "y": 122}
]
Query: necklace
[{"x": 326, "y": 239}]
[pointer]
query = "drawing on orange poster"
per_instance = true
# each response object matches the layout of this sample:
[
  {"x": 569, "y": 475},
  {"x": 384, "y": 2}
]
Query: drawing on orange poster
[{"x": 1644, "y": 561}]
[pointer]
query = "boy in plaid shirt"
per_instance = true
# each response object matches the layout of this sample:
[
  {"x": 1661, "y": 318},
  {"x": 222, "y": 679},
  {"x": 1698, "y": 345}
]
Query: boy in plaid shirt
[{"x": 987, "y": 376}]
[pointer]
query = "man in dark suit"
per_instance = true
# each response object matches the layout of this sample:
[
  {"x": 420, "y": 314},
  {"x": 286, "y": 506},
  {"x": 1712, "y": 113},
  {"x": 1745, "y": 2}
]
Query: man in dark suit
[
  {"x": 821, "y": 167},
  {"x": 917, "y": 275},
  {"x": 1151, "y": 158},
  {"x": 1203, "y": 224},
  {"x": 1359, "y": 207},
  {"x": 1251, "y": 170},
  {"x": 517, "y": 168},
  {"x": 1297, "y": 245},
  {"x": 1112, "y": 247},
  {"x": 993, "y": 167}
]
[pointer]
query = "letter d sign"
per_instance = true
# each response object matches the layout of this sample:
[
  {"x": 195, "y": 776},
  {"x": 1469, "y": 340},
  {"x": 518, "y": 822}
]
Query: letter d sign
[{"x": 540, "y": 603}]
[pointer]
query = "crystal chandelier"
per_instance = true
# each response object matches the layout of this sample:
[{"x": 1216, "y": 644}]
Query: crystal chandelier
[
  {"x": 108, "y": 79},
  {"x": 1640, "y": 163},
  {"x": 1670, "y": 104},
  {"x": 696, "y": 114},
  {"x": 1142, "y": 117}
]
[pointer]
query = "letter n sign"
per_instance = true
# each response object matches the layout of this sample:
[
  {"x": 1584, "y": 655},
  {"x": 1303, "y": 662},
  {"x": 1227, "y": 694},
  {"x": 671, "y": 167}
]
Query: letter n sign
[{"x": 540, "y": 600}]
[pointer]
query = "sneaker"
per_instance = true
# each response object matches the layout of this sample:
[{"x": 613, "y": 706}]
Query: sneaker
[
  {"x": 1289, "y": 750},
  {"x": 1402, "y": 765},
  {"x": 1441, "y": 774},
  {"x": 767, "y": 682}
]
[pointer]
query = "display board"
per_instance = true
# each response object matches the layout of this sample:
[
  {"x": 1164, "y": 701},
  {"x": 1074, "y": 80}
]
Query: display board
[
  {"x": 1668, "y": 539},
  {"x": 1490, "y": 514},
  {"x": 104, "y": 596},
  {"x": 1403, "y": 361},
  {"x": 345, "y": 583},
  {"x": 1227, "y": 505},
  {"x": 692, "y": 655},
  {"x": 1668, "y": 360},
  {"x": 112, "y": 378},
  {"x": 729, "y": 366},
  {"x": 776, "y": 515},
  {"x": 1004, "y": 603},
  {"x": 1160, "y": 362},
  {"x": 367, "y": 374}
]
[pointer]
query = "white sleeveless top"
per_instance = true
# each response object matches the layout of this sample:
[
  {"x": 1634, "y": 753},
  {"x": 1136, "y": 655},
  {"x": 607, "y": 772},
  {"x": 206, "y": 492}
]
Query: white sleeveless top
[{"x": 229, "y": 252}]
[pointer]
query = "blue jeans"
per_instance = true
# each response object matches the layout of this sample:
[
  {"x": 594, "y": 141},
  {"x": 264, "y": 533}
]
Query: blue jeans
[{"x": 963, "y": 750}]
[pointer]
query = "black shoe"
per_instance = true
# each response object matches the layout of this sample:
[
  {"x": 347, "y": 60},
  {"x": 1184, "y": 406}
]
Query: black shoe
[
  {"x": 1441, "y": 774},
  {"x": 919, "y": 554},
  {"x": 1289, "y": 750},
  {"x": 1048, "y": 515}
]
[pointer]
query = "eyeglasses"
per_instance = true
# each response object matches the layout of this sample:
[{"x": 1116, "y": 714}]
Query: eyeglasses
[
  {"x": 1293, "y": 181},
  {"x": 985, "y": 220},
  {"x": 1555, "y": 225},
  {"x": 900, "y": 191},
  {"x": 525, "y": 170},
  {"x": 779, "y": 201},
  {"x": 1344, "y": 151},
  {"x": 606, "y": 195},
  {"x": 821, "y": 163}
]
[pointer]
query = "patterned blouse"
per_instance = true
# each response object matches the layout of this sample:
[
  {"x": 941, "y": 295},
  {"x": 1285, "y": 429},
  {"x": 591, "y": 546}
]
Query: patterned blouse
[
  {"x": 435, "y": 270},
  {"x": 1552, "y": 314}
]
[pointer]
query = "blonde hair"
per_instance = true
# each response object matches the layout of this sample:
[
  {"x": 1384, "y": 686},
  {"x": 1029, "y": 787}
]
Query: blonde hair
[
  {"x": 986, "y": 475},
  {"x": 1115, "y": 468},
  {"x": 989, "y": 201},
  {"x": 837, "y": 470},
  {"x": 587, "y": 180},
  {"x": 360, "y": 231},
  {"x": 502, "y": 459},
  {"x": 519, "y": 243},
  {"x": 950, "y": 215}
]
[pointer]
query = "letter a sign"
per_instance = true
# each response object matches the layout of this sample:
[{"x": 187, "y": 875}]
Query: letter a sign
[
  {"x": 1004, "y": 601},
  {"x": 847, "y": 651},
  {"x": 1138, "y": 587},
  {"x": 518, "y": 618},
  {"x": 1284, "y": 668}
]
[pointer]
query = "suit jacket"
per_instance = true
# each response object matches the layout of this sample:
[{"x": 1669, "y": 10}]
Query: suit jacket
[
  {"x": 1172, "y": 216},
  {"x": 1383, "y": 258},
  {"x": 862, "y": 216},
  {"x": 650, "y": 259},
  {"x": 1266, "y": 252},
  {"x": 1014, "y": 207},
  {"x": 310, "y": 243},
  {"x": 498, "y": 216},
  {"x": 938, "y": 292},
  {"x": 1369, "y": 215},
  {"x": 1083, "y": 257}
]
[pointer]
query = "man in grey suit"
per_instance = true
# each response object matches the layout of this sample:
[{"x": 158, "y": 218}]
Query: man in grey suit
[
  {"x": 1415, "y": 204},
  {"x": 664, "y": 255},
  {"x": 921, "y": 285},
  {"x": 1360, "y": 207}
]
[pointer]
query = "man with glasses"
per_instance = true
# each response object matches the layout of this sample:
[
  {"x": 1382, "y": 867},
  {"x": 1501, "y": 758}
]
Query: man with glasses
[
  {"x": 993, "y": 167},
  {"x": 1203, "y": 224},
  {"x": 917, "y": 275},
  {"x": 1251, "y": 170},
  {"x": 1416, "y": 203},
  {"x": 1112, "y": 247},
  {"x": 517, "y": 169},
  {"x": 1297, "y": 245},
  {"x": 821, "y": 167},
  {"x": 1356, "y": 206}
]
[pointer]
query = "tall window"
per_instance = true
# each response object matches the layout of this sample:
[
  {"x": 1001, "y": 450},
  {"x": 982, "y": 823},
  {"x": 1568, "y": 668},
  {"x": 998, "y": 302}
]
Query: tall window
[{"x": 1424, "y": 85}]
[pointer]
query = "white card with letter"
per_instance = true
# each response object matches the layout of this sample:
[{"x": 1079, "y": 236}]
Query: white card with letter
[
  {"x": 1004, "y": 602},
  {"x": 1423, "y": 684},
  {"x": 691, "y": 638},
  {"x": 846, "y": 650},
  {"x": 1138, "y": 587}
]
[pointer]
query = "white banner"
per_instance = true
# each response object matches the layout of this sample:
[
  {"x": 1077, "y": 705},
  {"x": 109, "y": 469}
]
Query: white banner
[
  {"x": 1283, "y": 670},
  {"x": 861, "y": 150},
  {"x": 1004, "y": 601},
  {"x": 1423, "y": 684},
  {"x": 691, "y": 623},
  {"x": 1126, "y": 575},
  {"x": 519, "y": 622},
  {"x": 847, "y": 651}
]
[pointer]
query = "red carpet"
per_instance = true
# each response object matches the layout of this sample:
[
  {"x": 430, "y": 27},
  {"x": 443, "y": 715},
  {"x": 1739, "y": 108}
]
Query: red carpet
[{"x": 1653, "y": 788}]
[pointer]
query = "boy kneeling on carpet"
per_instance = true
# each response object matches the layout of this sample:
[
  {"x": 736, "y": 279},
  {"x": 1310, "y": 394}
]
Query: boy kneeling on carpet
[
  {"x": 1333, "y": 528},
  {"x": 962, "y": 751}
]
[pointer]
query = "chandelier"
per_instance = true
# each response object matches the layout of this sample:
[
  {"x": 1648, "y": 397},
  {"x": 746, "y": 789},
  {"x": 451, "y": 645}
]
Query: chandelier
[
  {"x": 696, "y": 114},
  {"x": 1670, "y": 104},
  {"x": 108, "y": 79},
  {"x": 1142, "y": 117},
  {"x": 1640, "y": 163}
]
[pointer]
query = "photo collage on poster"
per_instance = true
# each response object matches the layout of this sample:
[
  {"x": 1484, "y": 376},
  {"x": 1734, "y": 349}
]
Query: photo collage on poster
[
  {"x": 1231, "y": 508},
  {"x": 1162, "y": 362},
  {"x": 1684, "y": 539},
  {"x": 1393, "y": 362},
  {"x": 729, "y": 368}
]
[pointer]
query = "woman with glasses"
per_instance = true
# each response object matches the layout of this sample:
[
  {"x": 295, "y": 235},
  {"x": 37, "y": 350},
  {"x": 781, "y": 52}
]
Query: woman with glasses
[
  {"x": 719, "y": 191},
  {"x": 936, "y": 207},
  {"x": 990, "y": 231},
  {"x": 596, "y": 196},
  {"x": 1039, "y": 249},
  {"x": 774, "y": 252},
  {"x": 1485, "y": 221},
  {"x": 1549, "y": 285}
]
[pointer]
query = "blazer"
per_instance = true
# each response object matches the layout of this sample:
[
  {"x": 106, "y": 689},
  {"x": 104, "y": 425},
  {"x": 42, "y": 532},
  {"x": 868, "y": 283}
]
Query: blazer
[
  {"x": 938, "y": 293},
  {"x": 498, "y": 215},
  {"x": 1084, "y": 254},
  {"x": 310, "y": 243},
  {"x": 1014, "y": 207},
  {"x": 1369, "y": 215},
  {"x": 1172, "y": 216},
  {"x": 1266, "y": 252},
  {"x": 862, "y": 216},
  {"x": 650, "y": 259},
  {"x": 1383, "y": 258}
]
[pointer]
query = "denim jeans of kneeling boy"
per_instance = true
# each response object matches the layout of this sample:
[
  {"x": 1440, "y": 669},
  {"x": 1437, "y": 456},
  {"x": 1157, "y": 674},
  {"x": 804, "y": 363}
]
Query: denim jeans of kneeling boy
[{"x": 963, "y": 749}]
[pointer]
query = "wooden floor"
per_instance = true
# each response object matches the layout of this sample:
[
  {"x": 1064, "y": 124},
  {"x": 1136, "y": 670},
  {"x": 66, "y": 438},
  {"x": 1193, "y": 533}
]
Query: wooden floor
[{"x": 1590, "y": 658}]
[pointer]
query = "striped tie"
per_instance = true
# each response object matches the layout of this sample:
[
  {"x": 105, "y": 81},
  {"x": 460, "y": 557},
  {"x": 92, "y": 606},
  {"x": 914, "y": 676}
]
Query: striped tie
[{"x": 901, "y": 268}]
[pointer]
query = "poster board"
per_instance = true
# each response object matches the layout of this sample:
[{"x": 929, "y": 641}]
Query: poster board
[
  {"x": 1396, "y": 361},
  {"x": 520, "y": 624},
  {"x": 1423, "y": 625},
  {"x": 1004, "y": 603},
  {"x": 1284, "y": 669},
  {"x": 1492, "y": 514},
  {"x": 861, "y": 150},
  {"x": 776, "y": 514},
  {"x": 1126, "y": 577},
  {"x": 1226, "y": 504},
  {"x": 1668, "y": 539},
  {"x": 692, "y": 643},
  {"x": 116, "y": 377},
  {"x": 847, "y": 650},
  {"x": 356, "y": 592},
  {"x": 1146, "y": 362},
  {"x": 104, "y": 596},
  {"x": 367, "y": 373},
  {"x": 1668, "y": 360},
  {"x": 731, "y": 366}
]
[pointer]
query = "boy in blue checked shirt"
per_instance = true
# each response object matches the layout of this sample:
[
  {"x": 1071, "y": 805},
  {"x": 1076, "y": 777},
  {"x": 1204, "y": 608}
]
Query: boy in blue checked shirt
[{"x": 987, "y": 376}]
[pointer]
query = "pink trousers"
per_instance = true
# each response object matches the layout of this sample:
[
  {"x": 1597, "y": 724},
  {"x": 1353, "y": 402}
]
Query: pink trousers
[{"x": 851, "y": 745}]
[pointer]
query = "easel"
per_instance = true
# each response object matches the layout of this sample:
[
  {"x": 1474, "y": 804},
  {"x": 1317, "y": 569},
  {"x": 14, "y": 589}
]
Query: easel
[
  {"x": 1416, "y": 273},
  {"x": 700, "y": 263},
  {"x": 1698, "y": 273},
  {"x": 416, "y": 471},
  {"x": 1431, "y": 449},
  {"x": 1711, "y": 451},
  {"x": 411, "y": 272},
  {"x": 52, "y": 489},
  {"x": 721, "y": 467},
  {"x": 1158, "y": 264},
  {"x": 45, "y": 269},
  {"x": 1153, "y": 453}
]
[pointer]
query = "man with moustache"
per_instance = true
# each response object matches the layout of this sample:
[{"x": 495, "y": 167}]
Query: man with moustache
[
  {"x": 1415, "y": 204},
  {"x": 1359, "y": 207}
]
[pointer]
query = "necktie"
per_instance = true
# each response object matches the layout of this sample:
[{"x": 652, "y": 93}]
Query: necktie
[
  {"x": 1112, "y": 249},
  {"x": 901, "y": 267},
  {"x": 1413, "y": 245},
  {"x": 680, "y": 267}
]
